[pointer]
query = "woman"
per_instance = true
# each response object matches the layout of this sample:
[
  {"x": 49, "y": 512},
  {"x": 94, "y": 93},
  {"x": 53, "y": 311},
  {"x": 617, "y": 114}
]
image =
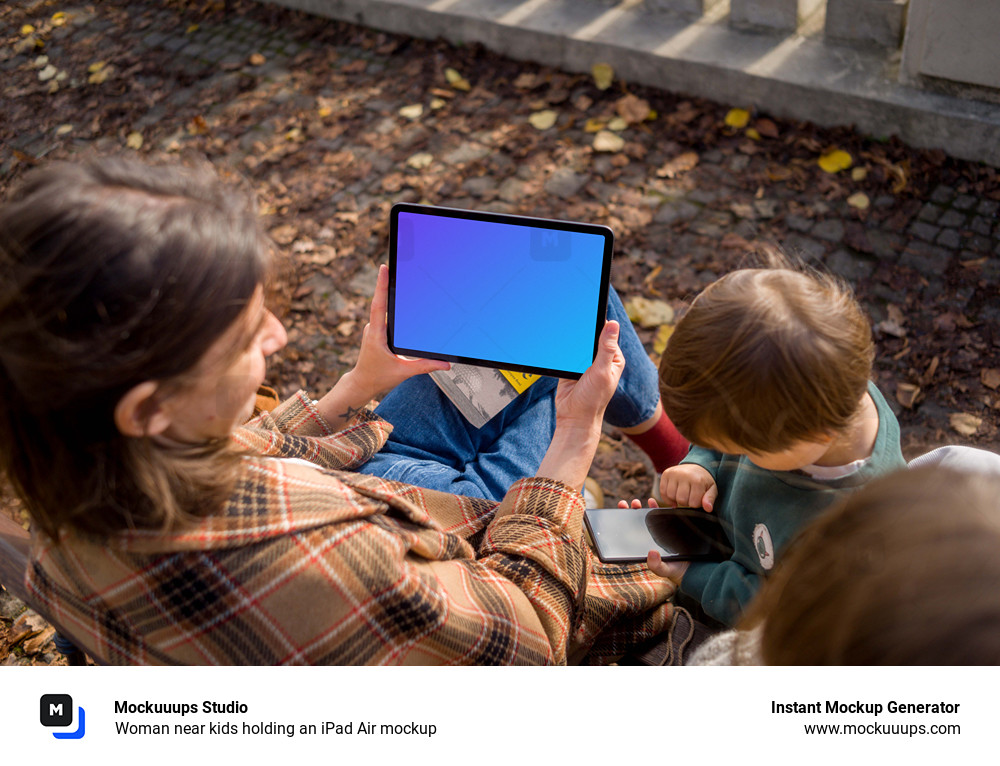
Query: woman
[{"x": 133, "y": 338}]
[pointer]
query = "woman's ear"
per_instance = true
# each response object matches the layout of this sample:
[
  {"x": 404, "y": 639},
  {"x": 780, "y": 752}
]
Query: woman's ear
[{"x": 139, "y": 413}]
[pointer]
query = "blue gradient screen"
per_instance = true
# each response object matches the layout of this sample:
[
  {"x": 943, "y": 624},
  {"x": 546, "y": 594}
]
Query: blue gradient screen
[{"x": 510, "y": 294}]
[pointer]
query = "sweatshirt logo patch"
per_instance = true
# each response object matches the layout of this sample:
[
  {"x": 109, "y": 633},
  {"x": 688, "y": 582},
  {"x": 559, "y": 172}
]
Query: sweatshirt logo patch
[{"x": 763, "y": 545}]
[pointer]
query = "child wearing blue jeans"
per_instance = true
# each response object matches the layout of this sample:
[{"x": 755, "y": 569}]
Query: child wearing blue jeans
[{"x": 768, "y": 375}]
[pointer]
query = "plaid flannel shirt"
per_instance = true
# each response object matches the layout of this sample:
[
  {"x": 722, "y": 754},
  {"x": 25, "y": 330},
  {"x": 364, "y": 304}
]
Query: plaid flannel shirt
[{"x": 326, "y": 566}]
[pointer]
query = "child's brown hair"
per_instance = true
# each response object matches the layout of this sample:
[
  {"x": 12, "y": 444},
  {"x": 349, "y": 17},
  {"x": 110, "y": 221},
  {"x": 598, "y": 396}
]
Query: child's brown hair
[
  {"x": 764, "y": 358},
  {"x": 903, "y": 572}
]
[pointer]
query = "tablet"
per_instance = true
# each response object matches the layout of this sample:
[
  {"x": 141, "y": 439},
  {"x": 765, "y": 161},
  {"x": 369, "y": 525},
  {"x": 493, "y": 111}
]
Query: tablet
[
  {"x": 622, "y": 535},
  {"x": 504, "y": 291}
]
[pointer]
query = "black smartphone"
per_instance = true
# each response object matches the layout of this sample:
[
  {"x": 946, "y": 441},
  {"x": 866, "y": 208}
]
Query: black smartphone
[{"x": 622, "y": 535}]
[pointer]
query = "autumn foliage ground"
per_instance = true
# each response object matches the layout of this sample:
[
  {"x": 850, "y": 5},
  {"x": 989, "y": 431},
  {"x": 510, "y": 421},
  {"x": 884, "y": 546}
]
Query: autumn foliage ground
[{"x": 334, "y": 123}]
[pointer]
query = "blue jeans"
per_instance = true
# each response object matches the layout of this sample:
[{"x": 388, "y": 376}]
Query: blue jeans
[{"x": 432, "y": 445}]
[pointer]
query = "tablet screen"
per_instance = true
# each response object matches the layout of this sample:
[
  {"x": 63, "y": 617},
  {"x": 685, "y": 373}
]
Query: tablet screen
[{"x": 504, "y": 291}]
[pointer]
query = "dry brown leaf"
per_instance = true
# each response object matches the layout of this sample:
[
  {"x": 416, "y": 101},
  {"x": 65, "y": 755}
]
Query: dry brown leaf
[
  {"x": 965, "y": 423},
  {"x": 990, "y": 377},
  {"x": 907, "y": 393},
  {"x": 257, "y": 59},
  {"x": 682, "y": 163},
  {"x": 766, "y": 127},
  {"x": 632, "y": 109}
]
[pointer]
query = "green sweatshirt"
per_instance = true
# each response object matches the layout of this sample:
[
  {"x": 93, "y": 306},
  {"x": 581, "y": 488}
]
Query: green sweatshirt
[{"x": 763, "y": 510}]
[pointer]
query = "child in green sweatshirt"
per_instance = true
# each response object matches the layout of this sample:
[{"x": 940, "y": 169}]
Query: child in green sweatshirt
[{"x": 768, "y": 375}]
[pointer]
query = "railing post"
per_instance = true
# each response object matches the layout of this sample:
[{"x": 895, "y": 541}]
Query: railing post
[
  {"x": 866, "y": 22},
  {"x": 776, "y": 15}
]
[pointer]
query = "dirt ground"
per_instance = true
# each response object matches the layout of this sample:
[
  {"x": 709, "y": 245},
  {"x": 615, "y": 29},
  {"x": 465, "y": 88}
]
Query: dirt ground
[{"x": 332, "y": 123}]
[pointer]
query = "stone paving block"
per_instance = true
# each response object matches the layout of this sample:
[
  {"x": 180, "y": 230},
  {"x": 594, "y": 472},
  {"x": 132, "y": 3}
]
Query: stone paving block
[
  {"x": 981, "y": 225},
  {"x": 849, "y": 266},
  {"x": 952, "y": 218},
  {"x": 925, "y": 258},
  {"x": 942, "y": 195},
  {"x": 804, "y": 247},
  {"x": 964, "y": 202},
  {"x": 832, "y": 230},
  {"x": 930, "y": 212},
  {"x": 949, "y": 238},
  {"x": 924, "y": 230},
  {"x": 988, "y": 207}
]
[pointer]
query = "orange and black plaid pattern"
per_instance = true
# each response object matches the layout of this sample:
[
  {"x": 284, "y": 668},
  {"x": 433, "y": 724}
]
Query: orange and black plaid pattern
[{"x": 327, "y": 566}]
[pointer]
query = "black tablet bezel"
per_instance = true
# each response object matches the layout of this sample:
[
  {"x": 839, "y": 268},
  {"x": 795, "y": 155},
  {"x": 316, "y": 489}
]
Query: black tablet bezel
[
  {"x": 720, "y": 548},
  {"x": 518, "y": 220}
]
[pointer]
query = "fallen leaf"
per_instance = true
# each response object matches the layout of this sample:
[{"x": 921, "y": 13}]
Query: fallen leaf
[
  {"x": 682, "y": 163},
  {"x": 257, "y": 59},
  {"x": 632, "y": 109},
  {"x": 752, "y": 134},
  {"x": 134, "y": 140},
  {"x": 420, "y": 160},
  {"x": 766, "y": 127},
  {"x": 284, "y": 234},
  {"x": 859, "y": 200},
  {"x": 990, "y": 377},
  {"x": 592, "y": 125},
  {"x": 964, "y": 423},
  {"x": 58, "y": 18},
  {"x": 606, "y": 141},
  {"x": 438, "y": 103},
  {"x": 35, "y": 644},
  {"x": 603, "y": 74},
  {"x": 62, "y": 130},
  {"x": 48, "y": 73},
  {"x": 617, "y": 124},
  {"x": 737, "y": 118},
  {"x": 649, "y": 313},
  {"x": 456, "y": 80},
  {"x": 191, "y": 29},
  {"x": 859, "y": 174},
  {"x": 662, "y": 336},
  {"x": 907, "y": 393},
  {"x": 412, "y": 112},
  {"x": 526, "y": 81},
  {"x": 835, "y": 161},
  {"x": 544, "y": 119},
  {"x": 27, "y": 29}
]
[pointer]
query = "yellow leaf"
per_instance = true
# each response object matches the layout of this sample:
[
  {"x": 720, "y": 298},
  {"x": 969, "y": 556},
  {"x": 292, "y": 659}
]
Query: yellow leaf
[
  {"x": 59, "y": 17},
  {"x": 97, "y": 66},
  {"x": 543, "y": 120},
  {"x": 191, "y": 29},
  {"x": 753, "y": 134},
  {"x": 604, "y": 75},
  {"x": 99, "y": 76},
  {"x": 737, "y": 118},
  {"x": 324, "y": 111},
  {"x": 964, "y": 423},
  {"x": 649, "y": 313},
  {"x": 606, "y": 141},
  {"x": 592, "y": 125},
  {"x": 420, "y": 160},
  {"x": 662, "y": 336},
  {"x": 859, "y": 200},
  {"x": 412, "y": 112},
  {"x": 456, "y": 80},
  {"x": 27, "y": 29},
  {"x": 134, "y": 140},
  {"x": 835, "y": 161},
  {"x": 859, "y": 174}
]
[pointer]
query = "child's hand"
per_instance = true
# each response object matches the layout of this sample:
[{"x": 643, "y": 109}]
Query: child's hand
[
  {"x": 688, "y": 486},
  {"x": 673, "y": 571},
  {"x": 636, "y": 503}
]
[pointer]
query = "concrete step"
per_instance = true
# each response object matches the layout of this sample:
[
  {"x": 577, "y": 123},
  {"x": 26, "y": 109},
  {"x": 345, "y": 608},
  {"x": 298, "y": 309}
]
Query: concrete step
[{"x": 797, "y": 75}]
